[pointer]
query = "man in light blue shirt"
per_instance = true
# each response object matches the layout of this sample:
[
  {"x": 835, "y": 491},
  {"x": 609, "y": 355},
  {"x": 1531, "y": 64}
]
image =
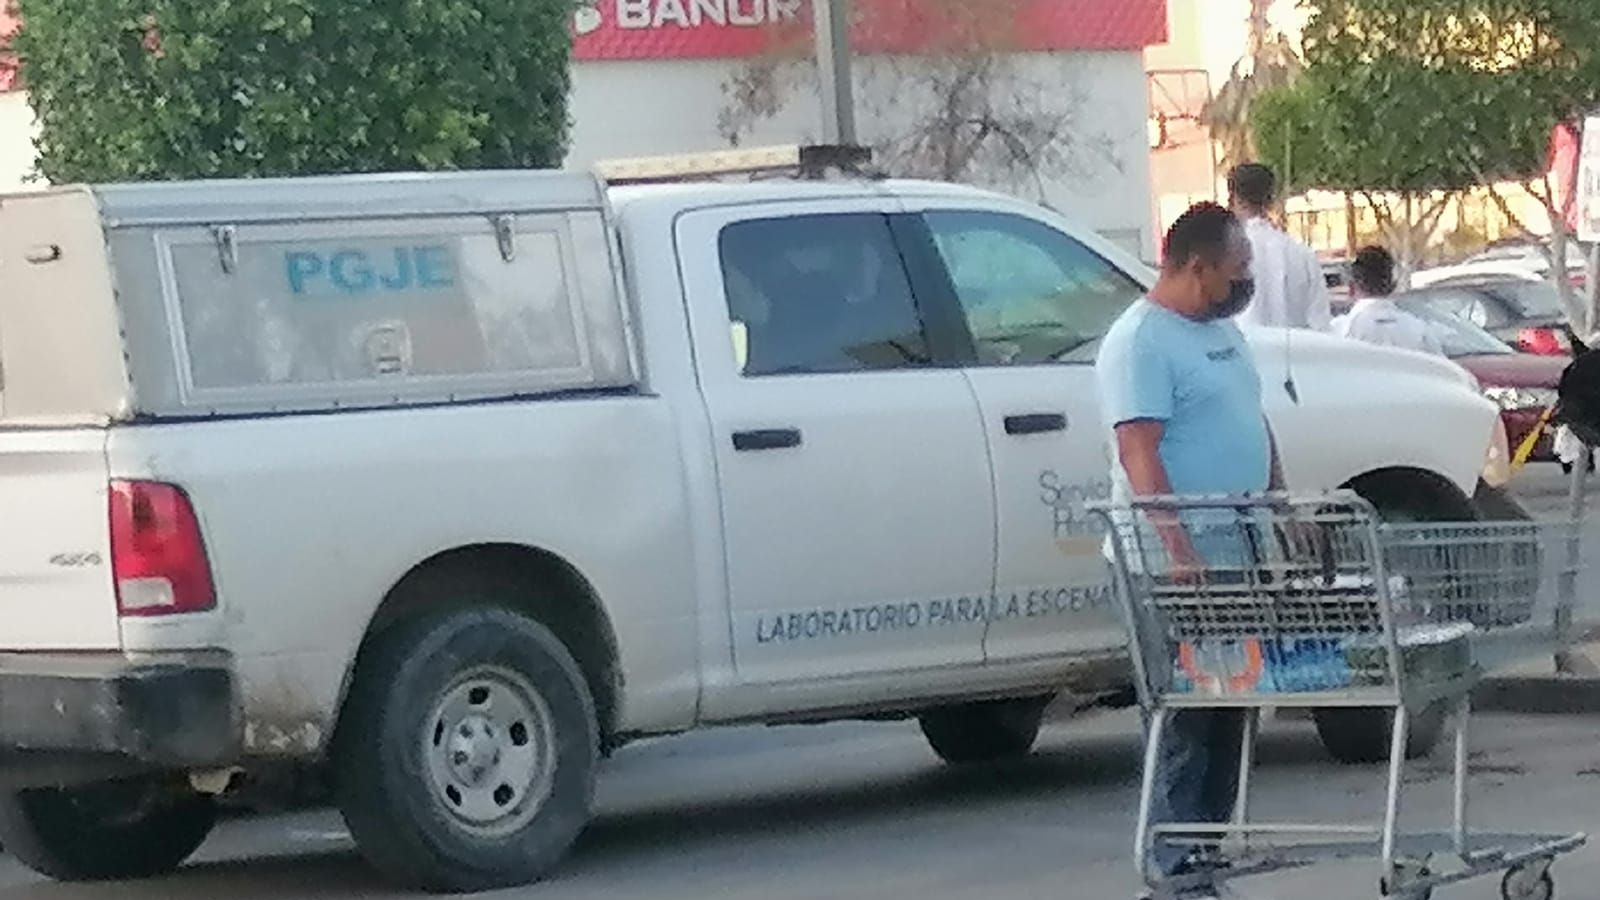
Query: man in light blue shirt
[{"x": 1180, "y": 392}]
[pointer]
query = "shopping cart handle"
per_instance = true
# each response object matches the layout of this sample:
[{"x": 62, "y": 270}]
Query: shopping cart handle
[{"x": 1267, "y": 500}]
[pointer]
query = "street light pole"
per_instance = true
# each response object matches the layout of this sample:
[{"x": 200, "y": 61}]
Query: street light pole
[{"x": 831, "y": 22}]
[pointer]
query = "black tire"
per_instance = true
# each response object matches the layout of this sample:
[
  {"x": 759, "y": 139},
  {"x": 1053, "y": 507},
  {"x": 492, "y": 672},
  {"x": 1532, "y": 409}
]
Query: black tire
[
  {"x": 1360, "y": 735},
  {"x": 1497, "y": 505},
  {"x": 104, "y": 832},
  {"x": 1521, "y": 561},
  {"x": 984, "y": 732},
  {"x": 1514, "y": 887},
  {"x": 397, "y": 760}
]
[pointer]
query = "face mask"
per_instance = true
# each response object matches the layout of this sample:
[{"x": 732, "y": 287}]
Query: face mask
[{"x": 1240, "y": 290}]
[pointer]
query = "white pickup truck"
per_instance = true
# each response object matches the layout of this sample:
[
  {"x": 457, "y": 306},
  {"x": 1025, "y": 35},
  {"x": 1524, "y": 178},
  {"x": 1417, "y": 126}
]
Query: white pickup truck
[{"x": 445, "y": 486}]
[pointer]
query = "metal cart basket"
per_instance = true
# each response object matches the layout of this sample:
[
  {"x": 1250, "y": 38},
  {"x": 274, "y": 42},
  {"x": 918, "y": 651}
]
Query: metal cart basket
[{"x": 1267, "y": 601}]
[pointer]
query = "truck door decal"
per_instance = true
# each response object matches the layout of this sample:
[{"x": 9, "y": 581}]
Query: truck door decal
[
  {"x": 1076, "y": 531},
  {"x": 944, "y": 612}
]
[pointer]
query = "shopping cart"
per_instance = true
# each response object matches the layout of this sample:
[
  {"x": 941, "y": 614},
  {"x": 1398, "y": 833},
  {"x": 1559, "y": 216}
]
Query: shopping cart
[{"x": 1313, "y": 602}]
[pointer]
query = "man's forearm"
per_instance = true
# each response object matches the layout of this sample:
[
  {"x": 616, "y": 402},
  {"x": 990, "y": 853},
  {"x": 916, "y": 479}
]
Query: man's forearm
[{"x": 1147, "y": 477}]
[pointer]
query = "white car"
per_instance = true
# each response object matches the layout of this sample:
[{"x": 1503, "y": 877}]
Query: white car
[
  {"x": 444, "y": 486},
  {"x": 1521, "y": 264}
]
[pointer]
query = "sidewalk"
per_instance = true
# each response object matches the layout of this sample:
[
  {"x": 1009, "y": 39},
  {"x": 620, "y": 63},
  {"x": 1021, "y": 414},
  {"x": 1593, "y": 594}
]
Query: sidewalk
[{"x": 1536, "y": 687}]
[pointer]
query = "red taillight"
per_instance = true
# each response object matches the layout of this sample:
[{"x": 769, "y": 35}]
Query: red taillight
[
  {"x": 1543, "y": 341},
  {"x": 157, "y": 555}
]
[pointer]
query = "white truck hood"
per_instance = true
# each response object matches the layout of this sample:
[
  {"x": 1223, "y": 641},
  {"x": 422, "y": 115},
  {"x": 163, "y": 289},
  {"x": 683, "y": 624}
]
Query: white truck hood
[
  {"x": 1300, "y": 346},
  {"x": 1358, "y": 408}
]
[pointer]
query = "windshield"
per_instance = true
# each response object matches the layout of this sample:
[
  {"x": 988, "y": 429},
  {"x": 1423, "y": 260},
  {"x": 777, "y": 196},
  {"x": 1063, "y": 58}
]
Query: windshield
[
  {"x": 1533, "y": 299},
  {"x": 1458, "y": 336}
]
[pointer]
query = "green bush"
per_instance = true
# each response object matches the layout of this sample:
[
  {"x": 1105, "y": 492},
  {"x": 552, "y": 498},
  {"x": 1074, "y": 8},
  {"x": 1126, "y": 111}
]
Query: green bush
[
  {"x": 1426, "y": 95},
  {"x": 158, "y": 89}
]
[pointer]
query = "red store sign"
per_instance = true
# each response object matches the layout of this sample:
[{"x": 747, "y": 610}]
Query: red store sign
[
  {"x": 9, "y": 26},
  {"x": 688, "y": 29}
]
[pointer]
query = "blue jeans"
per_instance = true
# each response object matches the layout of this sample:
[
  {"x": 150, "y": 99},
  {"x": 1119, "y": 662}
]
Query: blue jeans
[{"x": 1197, "y": 775}]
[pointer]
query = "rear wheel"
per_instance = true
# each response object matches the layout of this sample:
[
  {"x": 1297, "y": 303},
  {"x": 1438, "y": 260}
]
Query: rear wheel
[
  {"x": 984, "y": 732},
  {"x": 110, "y": 831},
  {"x": 1361, "y": 734},
  {"x": 467, "y": 754}
]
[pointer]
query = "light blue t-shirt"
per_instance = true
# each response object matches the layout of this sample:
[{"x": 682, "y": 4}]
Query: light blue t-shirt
[{"x": 1198, "y": 378}]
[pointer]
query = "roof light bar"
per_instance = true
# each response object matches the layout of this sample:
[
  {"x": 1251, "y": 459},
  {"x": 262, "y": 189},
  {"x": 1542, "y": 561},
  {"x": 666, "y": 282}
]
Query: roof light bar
[{"x": 805, "y": 160}]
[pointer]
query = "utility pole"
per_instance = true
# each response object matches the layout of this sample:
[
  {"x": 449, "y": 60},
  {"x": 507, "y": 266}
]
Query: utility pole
[{"x": 831, "y": 21}]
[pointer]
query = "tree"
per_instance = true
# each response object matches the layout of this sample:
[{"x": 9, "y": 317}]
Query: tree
[
  {"x": 1419, "y": 97},
  {"x": 962, "y": 104},
  {"x": 1269, "y": 62},
  {"x": 1319, "y": 137},
  {"x": 150, "y": 89}
]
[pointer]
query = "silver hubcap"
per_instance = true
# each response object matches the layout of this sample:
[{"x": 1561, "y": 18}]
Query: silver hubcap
[{"x": 490, "y": 749}]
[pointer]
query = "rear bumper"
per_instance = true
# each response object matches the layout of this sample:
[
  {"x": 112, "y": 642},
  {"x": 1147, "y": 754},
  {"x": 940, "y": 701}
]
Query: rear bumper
[{"x": 177, "y": 711}]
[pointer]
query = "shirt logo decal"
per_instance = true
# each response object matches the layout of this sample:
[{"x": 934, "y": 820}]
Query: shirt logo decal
[{"x": 1222, "y": 355}]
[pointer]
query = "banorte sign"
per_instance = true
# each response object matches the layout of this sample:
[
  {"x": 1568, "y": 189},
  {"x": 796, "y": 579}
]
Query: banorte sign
[{"x": 690, "y": 29}]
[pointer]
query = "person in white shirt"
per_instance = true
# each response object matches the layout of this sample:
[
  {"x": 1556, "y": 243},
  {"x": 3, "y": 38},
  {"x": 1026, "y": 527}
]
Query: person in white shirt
[
  {"x": 1375, "y": 318},
  {"x": 1290, "y": 290}
]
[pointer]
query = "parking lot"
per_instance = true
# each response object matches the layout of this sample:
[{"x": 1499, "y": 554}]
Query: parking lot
[
  {"x": 857, "y": 810},
  {"x": 865, "y": 811}
]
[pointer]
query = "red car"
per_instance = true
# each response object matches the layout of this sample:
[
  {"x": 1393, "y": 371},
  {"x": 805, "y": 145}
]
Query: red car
[{"x": 1523, "y": 385}]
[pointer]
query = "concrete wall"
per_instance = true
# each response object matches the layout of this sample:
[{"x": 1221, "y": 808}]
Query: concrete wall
[{"x": 16, "y": 141}]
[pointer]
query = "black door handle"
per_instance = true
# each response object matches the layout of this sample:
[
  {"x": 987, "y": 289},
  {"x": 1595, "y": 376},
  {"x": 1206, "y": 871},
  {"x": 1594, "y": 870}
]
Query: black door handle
[
  {"x": 1035, "y": 423},
  {"x": 766, "y": 439}
]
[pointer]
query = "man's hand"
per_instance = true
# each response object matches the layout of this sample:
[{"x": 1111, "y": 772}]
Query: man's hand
[
  {"x": 1184, "y": 565},
  {"x": 1302, "y": 540},
  {"x": 1138, "y": 443},
  {"x": 1275, "y": 481}
]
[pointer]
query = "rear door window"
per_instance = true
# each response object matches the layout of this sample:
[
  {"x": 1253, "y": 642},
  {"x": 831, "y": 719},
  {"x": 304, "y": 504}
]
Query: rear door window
[{"x": 819, "y": 293}]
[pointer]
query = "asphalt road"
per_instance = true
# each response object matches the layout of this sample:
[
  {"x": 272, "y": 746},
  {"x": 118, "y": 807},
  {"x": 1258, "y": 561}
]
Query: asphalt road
[
  {"x": 1542, "y": 488},
  {"x": 865, "y": 811}
]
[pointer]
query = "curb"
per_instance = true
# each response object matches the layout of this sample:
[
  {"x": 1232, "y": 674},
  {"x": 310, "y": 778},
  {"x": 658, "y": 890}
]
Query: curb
[{"x": 1547, "y": 695}]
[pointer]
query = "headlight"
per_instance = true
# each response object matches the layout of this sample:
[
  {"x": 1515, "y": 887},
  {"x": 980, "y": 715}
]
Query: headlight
[
  {"x": 1521, "y": 398},
  {"x": 1497, "y": 458}
]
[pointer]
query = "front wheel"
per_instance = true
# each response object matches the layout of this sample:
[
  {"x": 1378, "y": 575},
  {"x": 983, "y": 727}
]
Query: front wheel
[
  {"x": 1361, "y": 734},
  {"x": 984, "y": 732},
  {"x": 467, "y": 756},
  {"x": 1529, "y": 882},
  {"x": 111, "y": 831}
]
